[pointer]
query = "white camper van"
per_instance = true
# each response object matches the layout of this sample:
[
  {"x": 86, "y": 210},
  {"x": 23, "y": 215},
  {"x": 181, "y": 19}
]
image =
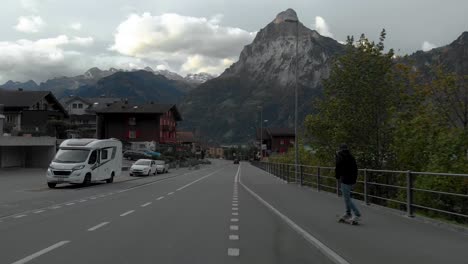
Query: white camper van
[{"x": 82, "y": 161}]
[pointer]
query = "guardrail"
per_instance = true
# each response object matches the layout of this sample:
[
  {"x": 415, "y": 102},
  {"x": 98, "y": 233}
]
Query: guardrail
[{"x": 428, "y": 193}]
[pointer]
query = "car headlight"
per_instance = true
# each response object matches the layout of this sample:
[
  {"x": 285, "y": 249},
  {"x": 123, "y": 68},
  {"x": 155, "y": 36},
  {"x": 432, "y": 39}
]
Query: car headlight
[{"x": 79, "y": 167}]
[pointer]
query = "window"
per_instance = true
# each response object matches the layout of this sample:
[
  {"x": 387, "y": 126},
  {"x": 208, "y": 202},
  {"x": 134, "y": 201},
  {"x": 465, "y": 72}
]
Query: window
[
  {"x": 74, "y": 106},
  {"x": 132, "y": 121},
  {"x": 80, "y": 106},
  {"x": 104, "y": 154},
  {"x": 93, "y": 157},
  {"x": 11, "y": 118},
  {"x": 132, "y": 134}
]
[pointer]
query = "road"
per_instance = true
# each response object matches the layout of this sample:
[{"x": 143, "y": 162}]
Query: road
[{"x": 186, "y": 216}]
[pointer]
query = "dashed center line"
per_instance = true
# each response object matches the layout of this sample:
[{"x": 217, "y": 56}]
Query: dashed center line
[
  {"x": 127, "y": 213},
  {"x": 233, "y": 252},
  {"x": 234, "y": 219},
  {"x": 40, "y": 211},
  {"x": 56, "y": 207},
  {"x": 233, "y": 237},
  {"x": 82, "y": 201},
  {"x": 171, "y": 193},
  {"x": 146, "y": 204},
  {"x": 235, "y": 213},
  {"x": 98, "y": 226},
  {"x": 39, "y": 253},
  {"x": 235, "y": 208},
  {"x": 234, "y": 227},
  {"x": 19, "y": 216},
  {"x": 160, "y": 198},
  {"x": 70, "y": 204}
]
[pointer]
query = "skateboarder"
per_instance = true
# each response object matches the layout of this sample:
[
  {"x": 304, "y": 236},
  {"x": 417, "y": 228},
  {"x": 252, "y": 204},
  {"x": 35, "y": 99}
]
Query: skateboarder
[{"x": 346, "y": 172}]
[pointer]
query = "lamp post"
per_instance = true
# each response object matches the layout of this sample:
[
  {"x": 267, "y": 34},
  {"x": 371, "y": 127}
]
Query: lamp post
[
  {"x": 296, "y": 145},
  {"x": 261, "y": 131}
]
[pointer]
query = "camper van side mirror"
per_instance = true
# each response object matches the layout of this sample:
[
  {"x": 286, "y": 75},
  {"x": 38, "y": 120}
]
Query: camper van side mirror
[{"x": 93, "y": 157}]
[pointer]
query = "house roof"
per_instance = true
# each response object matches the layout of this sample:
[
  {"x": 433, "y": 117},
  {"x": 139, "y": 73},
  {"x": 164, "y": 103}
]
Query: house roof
[
  {"x": 26, "y": 99},
  {"x": 95, "y": 103},
  {"x": 151, "y": 108},
  {"x": 185, "y": 136},
  {"x": 276, "y": 132}
]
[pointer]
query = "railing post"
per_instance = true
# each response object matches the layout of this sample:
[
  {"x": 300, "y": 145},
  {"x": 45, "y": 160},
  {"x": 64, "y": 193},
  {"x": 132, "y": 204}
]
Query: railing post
[
  {"x": 288, "y": 170},
  {"x": 318, "y": 179},
  {"x": 409, "y": 194},
  {"x": 302, "y": 175},
  {"x": 366, "y": 197}
]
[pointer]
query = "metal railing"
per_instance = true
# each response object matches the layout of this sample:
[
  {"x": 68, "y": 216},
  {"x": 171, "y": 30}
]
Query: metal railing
[{"x": 428, "y": 193}]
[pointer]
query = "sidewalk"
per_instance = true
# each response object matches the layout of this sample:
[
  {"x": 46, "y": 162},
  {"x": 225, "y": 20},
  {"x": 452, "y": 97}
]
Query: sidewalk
[{"x": 383, "y": 237}]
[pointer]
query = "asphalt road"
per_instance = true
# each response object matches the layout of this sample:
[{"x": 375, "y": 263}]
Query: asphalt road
[{"x": 199, "y": 216}]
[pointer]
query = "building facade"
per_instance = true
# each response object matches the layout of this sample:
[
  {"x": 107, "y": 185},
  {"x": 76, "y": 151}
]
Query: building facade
[{"x": 277, "y": 140}]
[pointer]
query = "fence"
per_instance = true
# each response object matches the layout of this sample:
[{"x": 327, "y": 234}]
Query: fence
[{"x": 439, "y": 195}]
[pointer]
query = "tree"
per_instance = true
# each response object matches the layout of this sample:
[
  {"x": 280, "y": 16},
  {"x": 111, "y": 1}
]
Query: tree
[{"x": 359, "y": 101}]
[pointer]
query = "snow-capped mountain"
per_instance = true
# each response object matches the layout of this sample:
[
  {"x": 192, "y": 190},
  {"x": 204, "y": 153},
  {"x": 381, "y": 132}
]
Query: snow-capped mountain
[{"x": 198, "y": 78}]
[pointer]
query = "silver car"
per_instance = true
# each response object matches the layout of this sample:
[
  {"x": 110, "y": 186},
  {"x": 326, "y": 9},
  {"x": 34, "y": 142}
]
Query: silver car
[{"x": 162, "y": 166}]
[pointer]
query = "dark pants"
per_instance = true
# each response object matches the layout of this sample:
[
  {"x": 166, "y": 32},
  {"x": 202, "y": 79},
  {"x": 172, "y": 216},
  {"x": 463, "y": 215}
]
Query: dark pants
[{"x": 346, "y": 190}]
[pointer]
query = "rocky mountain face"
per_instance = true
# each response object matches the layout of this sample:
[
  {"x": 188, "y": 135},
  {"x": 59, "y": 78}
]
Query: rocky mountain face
[
  {"x": 198, "y": 78},
  {"x": 454, "y": 57},
  {"x": 137, "y": 86},
  {"x": 27, "y": 86},
  {"x": 226, "y": 108}
]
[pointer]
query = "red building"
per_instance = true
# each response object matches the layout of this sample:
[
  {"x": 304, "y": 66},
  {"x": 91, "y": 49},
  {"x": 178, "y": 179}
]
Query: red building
[
  {"x": 277, "y": 140},
  {"x": 136, "y": 123}
]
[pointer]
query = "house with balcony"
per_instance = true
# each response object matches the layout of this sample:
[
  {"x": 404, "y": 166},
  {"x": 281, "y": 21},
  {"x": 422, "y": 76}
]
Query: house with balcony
[
  {"x": 277, "y": 140},
  {"x": 139, "y": 122}
]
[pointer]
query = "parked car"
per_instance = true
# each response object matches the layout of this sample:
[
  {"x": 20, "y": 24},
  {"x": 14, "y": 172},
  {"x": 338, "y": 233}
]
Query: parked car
[
  {"x": 236, "y": 161},
  {"x": 143, "y": 167},
  {"x": 162, "y": 166},
  {"x": 136, "y": 155}
]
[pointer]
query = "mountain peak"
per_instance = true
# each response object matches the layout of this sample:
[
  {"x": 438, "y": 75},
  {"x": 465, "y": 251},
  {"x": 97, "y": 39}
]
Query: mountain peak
[
  {"x": 463, "y": 38},
  {"x": 286, "y": 16}
]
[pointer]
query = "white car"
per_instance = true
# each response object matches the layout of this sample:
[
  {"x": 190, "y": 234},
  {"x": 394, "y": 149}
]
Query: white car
[
  {"x": 143, "y": 167},
  {"x": 162, "y": 166}
]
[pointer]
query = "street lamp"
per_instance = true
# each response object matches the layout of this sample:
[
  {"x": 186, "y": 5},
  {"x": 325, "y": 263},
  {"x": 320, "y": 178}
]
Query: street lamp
[
  {"x": 261, "y": 131},
  {"x": 296, "y": 145}
]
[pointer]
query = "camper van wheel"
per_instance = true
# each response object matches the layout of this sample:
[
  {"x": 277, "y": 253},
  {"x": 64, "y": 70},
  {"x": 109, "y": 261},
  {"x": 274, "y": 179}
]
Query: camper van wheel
[
  {"x": 51, "y": 185},
  {"x": 111, "y": 179},
  {"x": 87, "y": 180}
]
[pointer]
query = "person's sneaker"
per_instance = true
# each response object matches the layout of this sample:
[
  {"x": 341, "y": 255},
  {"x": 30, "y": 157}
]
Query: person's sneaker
[
  {"x": 355, "y": 218},
  {"x": 346, "y": 217}
]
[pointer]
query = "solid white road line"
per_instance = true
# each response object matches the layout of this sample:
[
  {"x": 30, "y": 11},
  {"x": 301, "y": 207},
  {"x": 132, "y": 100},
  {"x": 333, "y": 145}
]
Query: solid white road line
[
  {"x": 234, "y": 228},
  {"x": 98, "y": 226},
  {"x": 206, "y": 176},
  {"x": 233, "y": 237},
  {"x": 127, "y": 213},
  {"x": 40, "y": 211},
  {"x": 146, "y": 204},
  {"x": 39, "y": 253},
  {"x": 171, "y": 193},
  {"x": 332, "y": 255},
  {"x": 20, "y": 216},
  {"x": 233, "y": 252},
  {"x": 160, "y": 198}
]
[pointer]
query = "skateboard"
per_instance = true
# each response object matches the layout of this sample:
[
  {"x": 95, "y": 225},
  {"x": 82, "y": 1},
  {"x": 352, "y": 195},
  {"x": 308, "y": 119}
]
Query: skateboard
[{"x": 347, "y": 221}]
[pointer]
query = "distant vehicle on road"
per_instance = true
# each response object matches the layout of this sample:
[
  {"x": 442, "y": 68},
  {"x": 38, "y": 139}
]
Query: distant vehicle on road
[
  {"x": 136, "y": 155},
  {"x": 143, "y": 167},
  {"x": 82, "y": 161},
  {"x": 236, "y": 161},
  {"x": 162, "y": 166}
]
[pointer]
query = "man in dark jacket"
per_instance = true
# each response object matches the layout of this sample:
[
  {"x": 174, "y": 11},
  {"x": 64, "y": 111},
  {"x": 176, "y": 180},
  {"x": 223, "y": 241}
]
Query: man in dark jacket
[{"x": 346, "y": 172}]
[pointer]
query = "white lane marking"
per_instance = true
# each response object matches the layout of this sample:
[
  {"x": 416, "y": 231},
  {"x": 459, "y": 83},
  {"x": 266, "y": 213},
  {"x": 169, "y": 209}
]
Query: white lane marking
[
  {"x": 70, "y": 204},
  {"x": 234, "y": 227},
  {"x": 235, "y": 208},
  {"x": 92, "y": 198},
  {"x": 234, "y": 219},
  {"x": 233, "y": 237},
  {"x": 56, "y": 207},
  {"x": 146, "y": 204},
  {"x": 206, "y": 176},
  {"x": 332, "y": 255},
  {"x": 235, "y": 213},
  {"x": 127, "y": 213},
  {"x": 82, "y": 201},
  {"x": 39, "y": 253},
  {"x": 98, "y": 226},
  {"x": 160, "y": 198},
  {"x": 40, "y": 211},
  {"x": 235, "y": 204},
  {"x": 20, "y": 216},
  {"x": 233, "y": 252},
  {"x": 171, "y": 193}
]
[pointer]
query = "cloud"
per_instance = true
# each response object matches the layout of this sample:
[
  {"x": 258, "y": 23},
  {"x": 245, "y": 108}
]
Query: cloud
[
  {"x": 194, "y": 43},
  {"x": 427, "y": 46},
  {"x": 322, "y": 27},
  {"x": 42, "y": 59},
  {"x": 76, "y": 26},
  {"x": 30, "y": 5},
  {"x": 30, "y": 24}
]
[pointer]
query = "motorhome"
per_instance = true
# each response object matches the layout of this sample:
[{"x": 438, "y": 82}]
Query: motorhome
[{"x": 83, "y": 161}]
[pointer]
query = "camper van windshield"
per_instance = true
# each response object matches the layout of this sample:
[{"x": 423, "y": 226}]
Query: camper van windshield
[{"x": 71, "y": 155}]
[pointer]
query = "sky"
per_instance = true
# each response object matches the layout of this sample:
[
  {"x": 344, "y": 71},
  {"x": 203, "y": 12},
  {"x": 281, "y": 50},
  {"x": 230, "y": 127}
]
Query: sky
[{"x": 42, "y": 39}]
